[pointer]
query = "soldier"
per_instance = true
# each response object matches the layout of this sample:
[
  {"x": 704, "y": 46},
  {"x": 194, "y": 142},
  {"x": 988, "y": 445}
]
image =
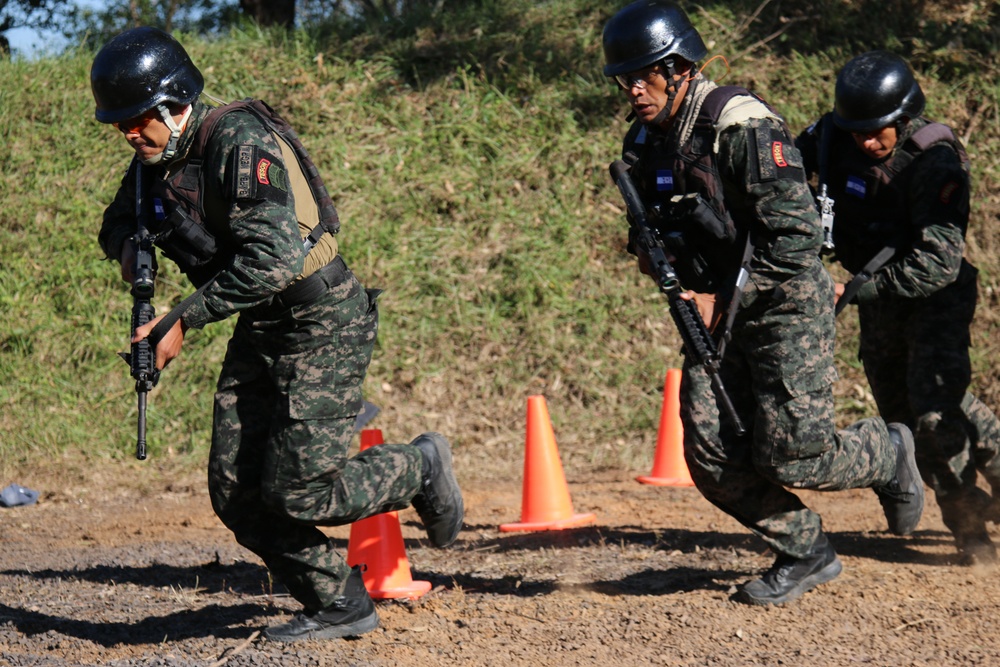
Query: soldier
[
  {"x": 726, "y": 189},
  {"x": 231, "y": 196},
  {"x": 901, "y": 187}
]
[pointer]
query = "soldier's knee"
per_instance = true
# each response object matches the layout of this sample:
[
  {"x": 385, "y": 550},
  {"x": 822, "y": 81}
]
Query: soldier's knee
[
  {"x": 312, "y": 502},
  {"x": 292, "y": 502},
  {"x": 791, "y": 473},
  {"x": 793, "y": 466}
]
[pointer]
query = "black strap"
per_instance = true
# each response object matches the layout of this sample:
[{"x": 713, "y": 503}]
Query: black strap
[
  {"x": 334, "y": 273},
  {"x": 302, "y": 291},
  {"x": 734, "y": 303},
  {"x": 825, "y": 128},
  {"x": 716, "y": 101},
  {"x": 170, "y": 319},
  {"x": 863, "y": 276}
]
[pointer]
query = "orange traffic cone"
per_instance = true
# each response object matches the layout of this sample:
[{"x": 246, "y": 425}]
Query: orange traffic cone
[
  {"x": 545, "y": 503},
  {"x": 377, "y": 543},
  {"x": 669, "y": 467}
]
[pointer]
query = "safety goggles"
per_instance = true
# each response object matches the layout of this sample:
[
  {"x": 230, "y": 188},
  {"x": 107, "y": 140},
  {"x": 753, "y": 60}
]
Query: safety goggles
[
  {"x": 138, "y": 123},
  {"x": 639, "y": 79}
]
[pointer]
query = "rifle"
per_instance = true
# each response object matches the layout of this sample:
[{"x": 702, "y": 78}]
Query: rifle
[
  {"x": 824, "y": 201},
  {"x": 697, "y": 340},
  {"x": 142, "y": 358}
]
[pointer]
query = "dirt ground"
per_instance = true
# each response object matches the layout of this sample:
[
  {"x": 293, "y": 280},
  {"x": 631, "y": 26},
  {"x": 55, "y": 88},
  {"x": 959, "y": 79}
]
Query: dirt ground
[{"x": 101, "y": 575}]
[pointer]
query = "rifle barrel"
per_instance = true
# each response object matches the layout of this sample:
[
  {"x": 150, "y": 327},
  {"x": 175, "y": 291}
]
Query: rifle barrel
[{"x": 140, "y": 441}]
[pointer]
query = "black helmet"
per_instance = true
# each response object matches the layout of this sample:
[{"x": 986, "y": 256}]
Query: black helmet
[
  {"x": 139, "y": 69},
  {"x": 874, "y": 90},
  {"x": 646, "y": 32}
]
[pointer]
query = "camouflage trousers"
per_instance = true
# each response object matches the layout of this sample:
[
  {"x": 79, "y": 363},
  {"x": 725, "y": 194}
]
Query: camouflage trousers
[
  {"x": 779, "y": 371},
  {"x": 285, "y": 406},
  {"x": 916, "y": 356}
]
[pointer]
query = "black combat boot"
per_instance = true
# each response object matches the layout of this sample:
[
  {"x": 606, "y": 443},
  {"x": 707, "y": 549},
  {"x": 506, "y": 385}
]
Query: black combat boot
[
  {"x": 790, "y": 577},
  {"x": 439, "y": 502},
  {"x": 350, "y": 615},
  {"x": 902, "y": 499}
]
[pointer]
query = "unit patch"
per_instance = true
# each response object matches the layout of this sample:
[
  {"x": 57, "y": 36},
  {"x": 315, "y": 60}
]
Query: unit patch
[
  {"x": 258, "y": 175},
  {"x": 770, "y": 156},
  {"x": 778, "y": 153},
  {"x": 262, "y": 171}
]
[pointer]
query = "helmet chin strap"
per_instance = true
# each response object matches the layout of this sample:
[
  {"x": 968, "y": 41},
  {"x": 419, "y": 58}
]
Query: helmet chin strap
[
  {"x": 671, "y": 67},
  {"x": 673, "y": 88},
  {"x": 175, "y": 134}
]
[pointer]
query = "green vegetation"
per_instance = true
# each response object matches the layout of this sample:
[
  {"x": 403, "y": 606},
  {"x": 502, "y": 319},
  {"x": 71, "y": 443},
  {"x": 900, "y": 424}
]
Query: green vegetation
[{"x": 468, "y": 157}]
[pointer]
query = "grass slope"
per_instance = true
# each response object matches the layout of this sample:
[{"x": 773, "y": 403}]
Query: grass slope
[{"x": 467, "y": 154}]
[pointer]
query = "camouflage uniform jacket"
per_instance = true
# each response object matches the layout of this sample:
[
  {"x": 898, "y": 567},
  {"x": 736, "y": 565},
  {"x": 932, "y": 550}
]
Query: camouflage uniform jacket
[
  {"x": 258, "y": 239},
  {"x": 916, "y": 199},
  {"x": 759, "y": 183}
]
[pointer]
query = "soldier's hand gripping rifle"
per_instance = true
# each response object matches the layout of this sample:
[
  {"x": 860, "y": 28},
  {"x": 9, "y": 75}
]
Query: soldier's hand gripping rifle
[
  {"x": 697, "y": 340},
  {"x": 142, "y": 357}
]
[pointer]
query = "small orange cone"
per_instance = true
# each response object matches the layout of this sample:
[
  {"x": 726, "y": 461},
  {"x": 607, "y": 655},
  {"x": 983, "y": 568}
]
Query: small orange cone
[
  {"x": 377, "y": 543},
  {"x": 669, "y": 467},
  {"x": 545, "y": 503}
]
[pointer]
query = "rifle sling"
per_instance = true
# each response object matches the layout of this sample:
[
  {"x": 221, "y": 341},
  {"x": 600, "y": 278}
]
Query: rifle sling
[
  {"x": 734, "y": 301},
  {"x": 863, "y": 276},
  {"x": 170, "y": 319},
  {"x": 299, "y": 292},
  {"x": 825, "y": 128}
]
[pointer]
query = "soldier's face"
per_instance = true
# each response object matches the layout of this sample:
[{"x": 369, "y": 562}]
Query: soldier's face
[
  {"x": 647, "y": 91},
  {"x": 147, "y": 134},
  {"x": 878, "y": 144}
]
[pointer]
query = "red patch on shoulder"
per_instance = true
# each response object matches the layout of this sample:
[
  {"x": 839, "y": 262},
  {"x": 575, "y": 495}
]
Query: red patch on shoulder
[
  {"x": 262, "y": 168},
  {"x": 778, "y": 153},
  {"x": 947, "y": 191}
]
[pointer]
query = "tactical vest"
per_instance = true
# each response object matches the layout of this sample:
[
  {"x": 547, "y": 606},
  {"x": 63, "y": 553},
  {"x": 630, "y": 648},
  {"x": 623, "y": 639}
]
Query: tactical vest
[
  {"x": 684, "y": 194},
  {"x": 180, "y": 228},
  {"x": 871, "y": 203}
]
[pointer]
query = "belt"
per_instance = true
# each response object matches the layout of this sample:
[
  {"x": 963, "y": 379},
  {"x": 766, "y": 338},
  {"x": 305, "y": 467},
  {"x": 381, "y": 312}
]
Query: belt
[{"x": 312, "y": 286}]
